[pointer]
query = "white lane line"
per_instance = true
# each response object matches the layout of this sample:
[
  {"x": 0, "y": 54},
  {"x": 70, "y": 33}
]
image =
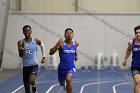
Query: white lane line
[
  {"x": 88, "y": 84},
  {"x": 51, "y": 88},
  {"x": 114, "y": 86},
  {"x": 17, "y": 89},
  {"x": 75, "y": 81}
]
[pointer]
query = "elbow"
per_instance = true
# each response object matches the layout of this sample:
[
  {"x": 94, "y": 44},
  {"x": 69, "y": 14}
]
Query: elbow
[
  {"x": 20, "y": 55},
  {"x": 50, "y": 53}
]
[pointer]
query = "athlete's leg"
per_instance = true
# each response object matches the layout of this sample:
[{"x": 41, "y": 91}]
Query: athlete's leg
[
  {"x": 136, "y": 83},
  {"x": 32, "y": 82},
  {"x": 26, "y": 73},
  {"x": 32, "y": 78},
  {"x": 69, "y": 77},
  {"x": 69, "y": 82},
  {"x": 136, "y": 77}
]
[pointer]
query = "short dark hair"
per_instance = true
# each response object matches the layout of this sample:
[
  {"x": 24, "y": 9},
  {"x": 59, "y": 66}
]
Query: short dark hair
[
  {"x": 136, "y": 28},
  {"x": 68, "y": 29},
  {"x": 26, "y": 27}
]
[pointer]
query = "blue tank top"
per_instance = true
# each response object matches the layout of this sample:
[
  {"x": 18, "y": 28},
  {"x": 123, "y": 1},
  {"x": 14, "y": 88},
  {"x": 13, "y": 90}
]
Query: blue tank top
[
  {"x": 30, "y": 53},
  {"x": 135, "y": 54},
  {"x": 67, "y": 56}
]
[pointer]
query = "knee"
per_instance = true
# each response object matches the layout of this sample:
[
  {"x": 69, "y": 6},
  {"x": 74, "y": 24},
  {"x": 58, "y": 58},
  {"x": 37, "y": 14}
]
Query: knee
[
  {"x": 32, "y": 81},
  {"x": 69, "y": 79}
]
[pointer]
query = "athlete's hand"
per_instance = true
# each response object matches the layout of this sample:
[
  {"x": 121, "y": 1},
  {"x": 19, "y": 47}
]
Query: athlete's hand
[
  {"x": 43, "y": 60},
  {"x": 124, "y": 62},
  {"x": 76, "y": 58},
  {"x": 21, "y": 45},
  {"x": 59, "y": 43}
]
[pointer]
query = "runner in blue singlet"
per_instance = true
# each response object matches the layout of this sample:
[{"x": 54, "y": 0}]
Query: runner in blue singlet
[
  {"x": 68, "y": 55},
  {"x": 134, "y": 47}
]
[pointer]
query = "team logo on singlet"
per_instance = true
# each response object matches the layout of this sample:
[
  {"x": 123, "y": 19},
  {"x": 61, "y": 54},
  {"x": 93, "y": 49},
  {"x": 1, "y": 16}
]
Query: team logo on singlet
[
  {"x": 69, "y": 51},
  {"x": 28, "y": 51},
  {"x": 136, "y": 49}
]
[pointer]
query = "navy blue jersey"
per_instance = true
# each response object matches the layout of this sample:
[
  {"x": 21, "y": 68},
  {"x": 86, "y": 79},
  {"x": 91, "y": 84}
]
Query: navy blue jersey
[
  {"x": 67, "y": 56},
  {"x": 135, "y": 54},
  {"x": 30, "y": 53}
]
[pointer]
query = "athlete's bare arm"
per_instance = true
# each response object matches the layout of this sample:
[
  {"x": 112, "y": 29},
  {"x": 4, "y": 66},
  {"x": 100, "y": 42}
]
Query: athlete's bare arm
[
  {"x": 42, "y": 49},
  {"x": 76, "y": 54},
  {"x": 56, "y": 47},
  {"x": 20, "y": 45},
  {"x": 128, "y": 53}
]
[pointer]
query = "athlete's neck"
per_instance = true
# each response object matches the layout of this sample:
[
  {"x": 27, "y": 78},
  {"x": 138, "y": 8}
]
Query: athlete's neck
[
  {"x": 68, "y": 41},
  {"x": 28, "y": 39}
]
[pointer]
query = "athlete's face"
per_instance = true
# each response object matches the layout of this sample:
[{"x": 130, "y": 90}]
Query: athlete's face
[
  {"x": 69, "y": 35},
  {"x": 137, "y": 34},
  {"x": 27, "y": 32}
]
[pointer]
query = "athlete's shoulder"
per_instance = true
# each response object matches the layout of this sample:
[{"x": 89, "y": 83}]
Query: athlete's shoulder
[
  {"x": 76, "y": 43},
  {"x": 38, "y": 41},
  {"x": 130, "y": 42}
]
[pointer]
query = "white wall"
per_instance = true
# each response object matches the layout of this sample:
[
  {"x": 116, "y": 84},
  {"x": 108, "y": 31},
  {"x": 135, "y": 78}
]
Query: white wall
[
  {"x": 4, "y": 8},
  {"x": 4, "y": 11},
  {"x": 96, "y": 33}
]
